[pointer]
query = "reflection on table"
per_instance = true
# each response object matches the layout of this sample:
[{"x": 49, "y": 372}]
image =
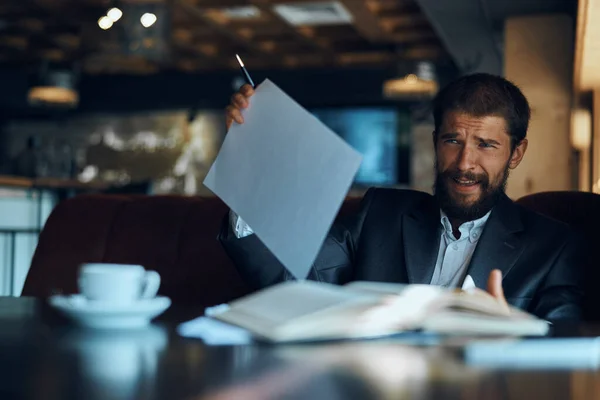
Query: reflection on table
[{"x": 42, "y": 356}]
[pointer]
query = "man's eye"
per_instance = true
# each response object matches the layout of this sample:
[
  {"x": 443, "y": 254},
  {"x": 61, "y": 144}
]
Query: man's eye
[
  {"x": 486, "y": 145},
  {"x": 453, "y": 141}
]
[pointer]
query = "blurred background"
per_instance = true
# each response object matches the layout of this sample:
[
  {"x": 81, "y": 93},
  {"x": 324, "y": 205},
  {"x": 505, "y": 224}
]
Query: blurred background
[{"x": 101, "y": 96}]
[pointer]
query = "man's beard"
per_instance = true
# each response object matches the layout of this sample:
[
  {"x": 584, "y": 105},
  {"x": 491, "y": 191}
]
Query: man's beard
[{"x": 454, "y": 209}]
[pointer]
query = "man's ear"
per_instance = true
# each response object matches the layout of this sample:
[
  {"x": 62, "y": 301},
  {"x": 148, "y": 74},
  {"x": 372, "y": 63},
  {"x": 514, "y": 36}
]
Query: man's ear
[{"x": 517, "y": 154}]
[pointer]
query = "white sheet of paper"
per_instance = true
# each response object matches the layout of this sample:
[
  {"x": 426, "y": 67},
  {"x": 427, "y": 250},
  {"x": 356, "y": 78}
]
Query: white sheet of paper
[{"x": 285, "y": 174}]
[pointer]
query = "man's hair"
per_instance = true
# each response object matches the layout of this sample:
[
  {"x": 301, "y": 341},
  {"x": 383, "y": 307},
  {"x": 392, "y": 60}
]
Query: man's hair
[{"x": 481, "y": 95}]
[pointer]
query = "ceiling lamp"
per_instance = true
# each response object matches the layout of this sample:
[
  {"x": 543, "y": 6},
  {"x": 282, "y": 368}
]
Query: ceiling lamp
[
  {"x": 148, "y": 19},
  {"x": 417, "y": 83},
  {"x": 114, "y": 14},
  {"x": 105, "y": 23},
  {"x": 314, "y": 13},
  {"x": 55, "y": 89}
]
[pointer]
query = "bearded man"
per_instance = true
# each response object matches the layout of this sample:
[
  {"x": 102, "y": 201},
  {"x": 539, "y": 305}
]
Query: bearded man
[{"x": 469, "y": 230}]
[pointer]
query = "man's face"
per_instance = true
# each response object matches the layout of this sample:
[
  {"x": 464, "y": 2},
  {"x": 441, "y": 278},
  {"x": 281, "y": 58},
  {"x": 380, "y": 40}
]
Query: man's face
[{"x": 473, "y": 159}]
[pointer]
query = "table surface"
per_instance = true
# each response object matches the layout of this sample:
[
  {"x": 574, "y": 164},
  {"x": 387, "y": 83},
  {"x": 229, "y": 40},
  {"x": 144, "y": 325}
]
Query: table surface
[{"x": 43, "y": 356}]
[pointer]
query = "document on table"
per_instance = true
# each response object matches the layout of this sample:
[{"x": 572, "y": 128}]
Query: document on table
[
  {"x": 285, "y": 174},
  {"x": 546, "y": 353}
]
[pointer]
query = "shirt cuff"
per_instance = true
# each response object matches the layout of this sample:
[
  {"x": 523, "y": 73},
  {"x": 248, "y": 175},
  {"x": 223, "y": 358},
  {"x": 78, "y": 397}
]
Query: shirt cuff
[{"x": 239, "y": 227}]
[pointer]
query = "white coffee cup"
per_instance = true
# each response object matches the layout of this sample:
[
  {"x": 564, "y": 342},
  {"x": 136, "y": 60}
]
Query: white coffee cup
[{"x": 117, "y": 283}]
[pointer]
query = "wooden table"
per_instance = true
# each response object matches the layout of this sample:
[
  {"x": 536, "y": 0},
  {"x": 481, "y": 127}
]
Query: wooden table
[{"x": 44, "y": 357}]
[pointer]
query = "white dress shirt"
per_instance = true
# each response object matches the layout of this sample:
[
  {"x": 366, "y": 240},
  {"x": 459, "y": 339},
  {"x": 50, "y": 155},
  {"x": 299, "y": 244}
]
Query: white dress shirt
[
  {"x": 240, "y": 228},
  {"x": 454, "y": 255}
]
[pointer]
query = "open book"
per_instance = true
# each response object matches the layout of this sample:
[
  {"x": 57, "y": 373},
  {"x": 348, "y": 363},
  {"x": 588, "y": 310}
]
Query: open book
[{"x": 307, "y": 311}]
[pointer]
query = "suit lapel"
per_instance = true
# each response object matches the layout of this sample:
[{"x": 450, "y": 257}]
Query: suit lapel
[
  {"x": 421, "y": 238},
  {"x": 499, "y": 246}
]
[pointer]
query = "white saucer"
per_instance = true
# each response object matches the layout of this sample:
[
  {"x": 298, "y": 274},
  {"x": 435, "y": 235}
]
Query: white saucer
[{"x": 95, "y": 314}]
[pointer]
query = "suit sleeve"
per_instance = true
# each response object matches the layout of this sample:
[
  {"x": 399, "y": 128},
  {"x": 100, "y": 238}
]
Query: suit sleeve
[
  {"x": 259, "y": 268},
  {"x": 561, "y": 295}
]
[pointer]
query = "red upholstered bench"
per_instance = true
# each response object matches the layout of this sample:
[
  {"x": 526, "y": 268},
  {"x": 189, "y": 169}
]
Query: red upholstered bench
[{"x": 174, "y": 235}]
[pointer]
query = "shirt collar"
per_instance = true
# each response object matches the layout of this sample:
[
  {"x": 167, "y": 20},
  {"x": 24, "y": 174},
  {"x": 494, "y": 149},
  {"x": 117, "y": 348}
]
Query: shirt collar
[{"x": 470, "y": 229}]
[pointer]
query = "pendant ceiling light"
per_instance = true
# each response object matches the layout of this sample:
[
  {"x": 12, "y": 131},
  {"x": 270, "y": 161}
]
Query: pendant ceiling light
[
  {"x": 54, "y": 88},
  {"x": 413, "y": 82}
]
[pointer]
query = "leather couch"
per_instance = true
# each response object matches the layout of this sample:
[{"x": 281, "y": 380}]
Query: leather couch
[
  {"x": 176, "y": 236},
  {"x": 581, "y": 211},
  {"x": 173, "y": 235}
]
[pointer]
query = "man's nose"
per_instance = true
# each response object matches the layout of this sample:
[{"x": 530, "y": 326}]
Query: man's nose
[{"x": 466, "y": 159}]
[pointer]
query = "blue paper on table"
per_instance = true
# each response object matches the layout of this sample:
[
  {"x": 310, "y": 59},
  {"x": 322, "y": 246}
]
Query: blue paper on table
[
  {"x": 214, "y": 332},
  {"x": 551, "y": 353},
  {"x": 286, "y": 174}
]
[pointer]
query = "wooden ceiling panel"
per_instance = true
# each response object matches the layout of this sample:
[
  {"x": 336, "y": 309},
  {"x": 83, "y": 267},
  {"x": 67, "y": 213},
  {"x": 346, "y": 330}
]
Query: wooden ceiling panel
[
  {"x": 380, "y": 7},
  {"x": 413, "y": 36},
  {"x": 404, "y": 21},
  {"x": 336, "y": 31},
  {"x": 264, "y": 30},
  {"x": 205, "y": 34}
]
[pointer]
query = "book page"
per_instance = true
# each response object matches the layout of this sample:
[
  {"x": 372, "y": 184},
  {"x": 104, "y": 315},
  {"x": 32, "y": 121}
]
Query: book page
[
  {"x": 288, "y": 301},
  {"x": 469, "y": 323},
  {"x": 418, "y": 296},
  {"x": 309, "y": 310},
  {"x": 384, "y": 287}
]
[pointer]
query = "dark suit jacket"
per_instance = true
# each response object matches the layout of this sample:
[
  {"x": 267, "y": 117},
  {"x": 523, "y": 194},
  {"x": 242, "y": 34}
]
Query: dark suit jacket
[{"x": 395, "y": 238}]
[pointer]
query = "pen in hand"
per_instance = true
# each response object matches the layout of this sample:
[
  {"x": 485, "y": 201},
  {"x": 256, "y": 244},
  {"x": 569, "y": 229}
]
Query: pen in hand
[
  {"x": 240, "y": 99},
  {"x": 245, "y": 72}
]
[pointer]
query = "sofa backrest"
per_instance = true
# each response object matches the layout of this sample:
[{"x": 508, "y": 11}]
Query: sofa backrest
[{"x": 174, "y": 235}]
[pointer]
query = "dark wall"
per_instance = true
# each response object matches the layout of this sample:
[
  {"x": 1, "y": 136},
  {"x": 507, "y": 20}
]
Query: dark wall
[
  {"x": 13, "y": 90},
  {"x": 309, "y": 88},
  {"x": 169, "y": 91}
]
